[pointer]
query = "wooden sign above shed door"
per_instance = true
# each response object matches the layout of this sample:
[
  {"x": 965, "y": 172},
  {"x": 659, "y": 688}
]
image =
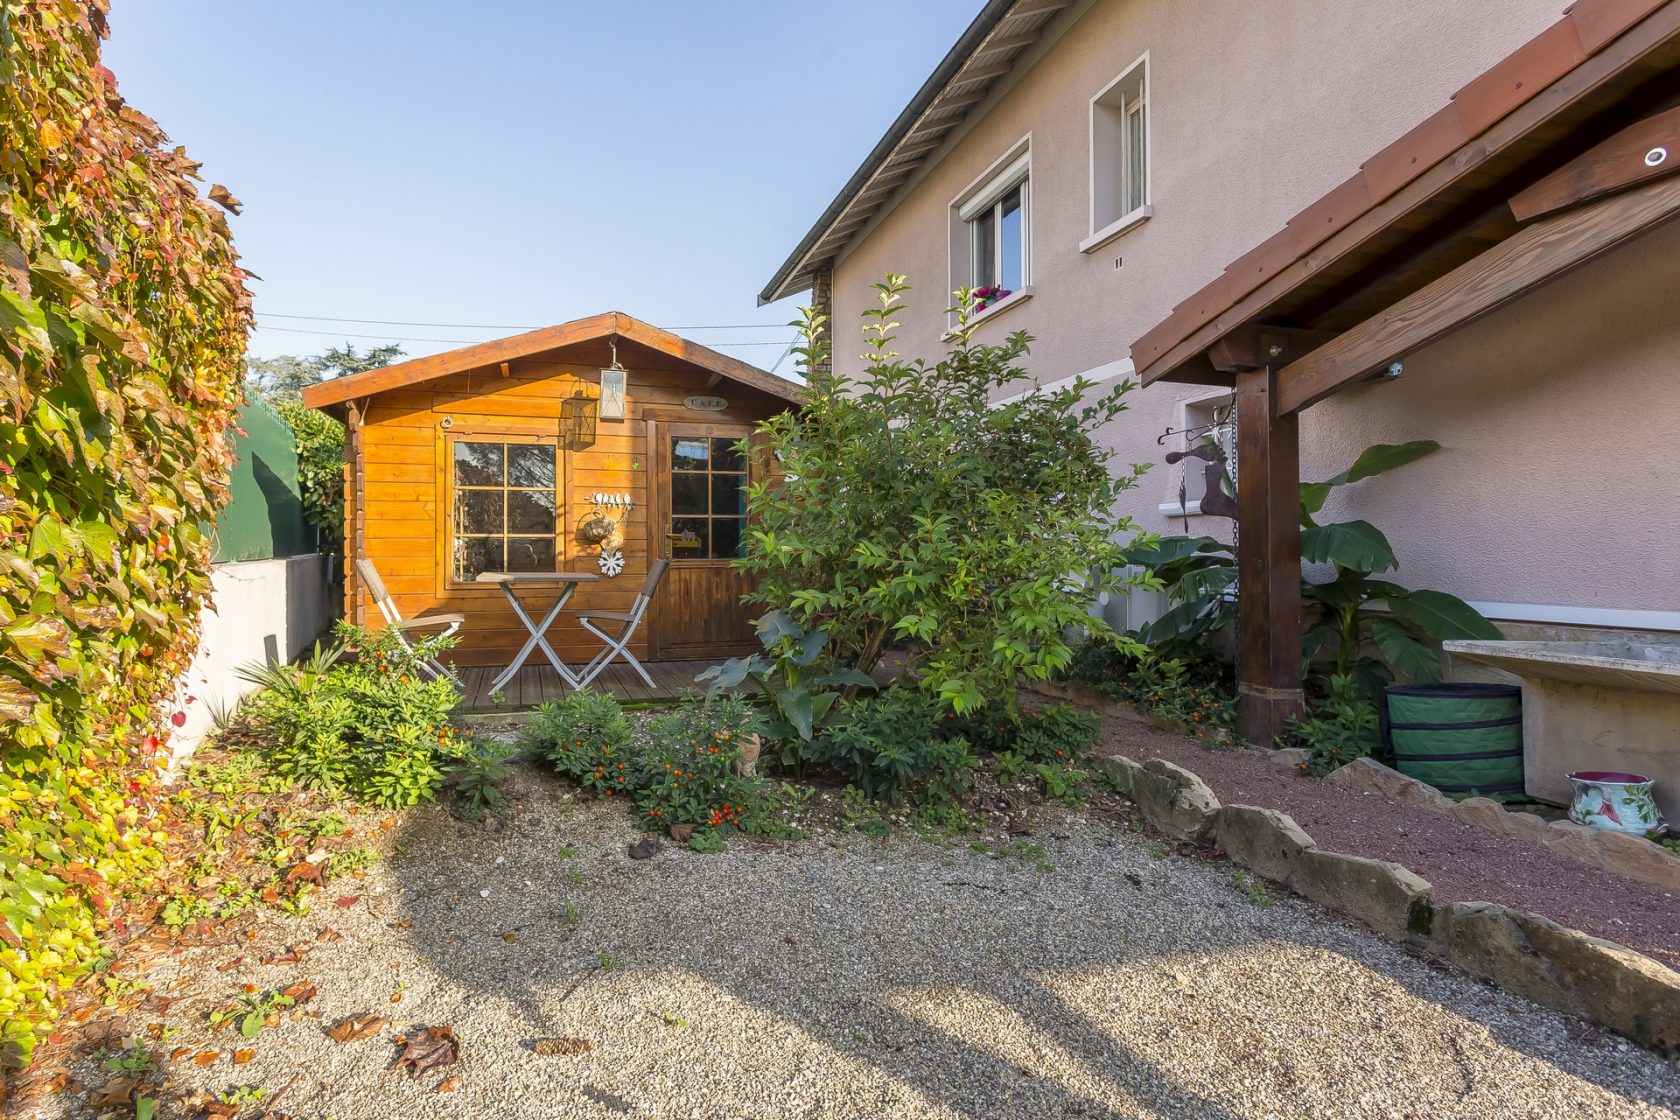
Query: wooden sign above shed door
[{"x": 700, "y": 524}]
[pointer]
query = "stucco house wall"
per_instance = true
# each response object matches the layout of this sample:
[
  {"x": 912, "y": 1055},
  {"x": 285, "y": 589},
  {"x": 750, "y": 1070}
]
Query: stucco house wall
[{"x": 1553, "y": 486}]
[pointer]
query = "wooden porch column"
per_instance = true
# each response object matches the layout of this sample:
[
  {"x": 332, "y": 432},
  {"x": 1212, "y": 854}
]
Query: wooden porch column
[{"x": 1268, "y": 559}]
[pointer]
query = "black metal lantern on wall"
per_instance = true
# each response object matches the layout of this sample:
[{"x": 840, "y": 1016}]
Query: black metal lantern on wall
[{"x": 578, "y": 414}]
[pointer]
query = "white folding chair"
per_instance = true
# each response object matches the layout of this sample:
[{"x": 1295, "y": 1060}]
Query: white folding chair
[
  {"x": 400, "y": 626},
  {"x": 619, "y": 645}
]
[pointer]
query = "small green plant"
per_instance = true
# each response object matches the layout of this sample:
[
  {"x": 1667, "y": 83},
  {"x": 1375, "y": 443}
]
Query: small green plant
[
  {"x": 566, "y": 851},
  {"x": 350, "y": 861},
  {"x": 1253, "y": 888},
  {"x": 243, "y": 1097},
  {"x": 477, "y": 778},
  {"x": 1157, "y": 852},
  {"x": 1010, "y": 765},
  {"x": 1063, "y": 783},
  {"x": 800, "y": 689},
  {"x": 707, "y": 841},
  {"x": 588, "y": 738},
  {"x": 1337, "y": 729},
  {"x": 251, "y": 1011},
  {"x": 571, "y": 914},
  {"x": 575, "y": 874},
  {"x": 672, "y": 1020},
  {"x": 377, "y": 727},
  {"x": 327, "y": 825},
  {"x": 607, "y": 961},
  {"x": 136, "y": 1063},
  {"x": 890, "y": 746},
  {"x": 181, "y": 910}
]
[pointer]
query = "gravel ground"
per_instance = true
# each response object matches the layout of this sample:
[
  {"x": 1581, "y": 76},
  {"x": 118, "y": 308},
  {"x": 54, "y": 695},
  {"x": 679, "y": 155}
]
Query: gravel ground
[
  {"x": 1464, "y": 863},
  {"x": 842, "y": 977}
]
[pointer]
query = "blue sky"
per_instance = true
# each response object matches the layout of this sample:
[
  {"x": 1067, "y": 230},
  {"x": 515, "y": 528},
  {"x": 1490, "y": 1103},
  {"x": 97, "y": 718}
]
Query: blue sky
[{"x": 523, "y": 163}]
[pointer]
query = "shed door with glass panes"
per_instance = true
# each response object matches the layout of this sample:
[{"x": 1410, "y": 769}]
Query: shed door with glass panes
[
  {"x": 503, "y": 502},
  {"x": 702, "y": 478}
]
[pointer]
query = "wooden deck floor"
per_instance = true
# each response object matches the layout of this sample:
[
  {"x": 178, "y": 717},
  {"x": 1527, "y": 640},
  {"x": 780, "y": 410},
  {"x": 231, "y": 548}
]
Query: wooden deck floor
[{"x": 539, "y": 684}]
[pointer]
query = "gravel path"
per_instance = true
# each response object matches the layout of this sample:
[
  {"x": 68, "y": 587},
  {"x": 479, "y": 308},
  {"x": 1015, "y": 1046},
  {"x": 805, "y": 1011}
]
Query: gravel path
[
  {"x": 1463, "y": 862},
  {"x": 841, "y": 977}
]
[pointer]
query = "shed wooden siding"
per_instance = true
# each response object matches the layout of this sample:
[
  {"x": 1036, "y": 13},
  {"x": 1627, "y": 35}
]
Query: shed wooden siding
[{"x": 407, "y": 524}]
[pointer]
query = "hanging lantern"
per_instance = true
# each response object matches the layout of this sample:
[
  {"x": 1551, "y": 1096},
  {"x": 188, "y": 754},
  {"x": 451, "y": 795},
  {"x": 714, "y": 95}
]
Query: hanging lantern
[{"x": 577, "y": 420}]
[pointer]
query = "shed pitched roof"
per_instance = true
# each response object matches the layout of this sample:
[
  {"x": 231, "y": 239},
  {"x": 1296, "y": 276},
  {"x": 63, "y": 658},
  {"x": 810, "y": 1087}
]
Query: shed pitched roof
[
  {"x": 1428, "y": 178},
  {"x": 609, "y": 325}
]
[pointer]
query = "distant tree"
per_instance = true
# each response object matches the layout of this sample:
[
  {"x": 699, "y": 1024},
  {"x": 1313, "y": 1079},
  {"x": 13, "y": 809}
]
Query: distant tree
[{"x": 285, "y": 377}]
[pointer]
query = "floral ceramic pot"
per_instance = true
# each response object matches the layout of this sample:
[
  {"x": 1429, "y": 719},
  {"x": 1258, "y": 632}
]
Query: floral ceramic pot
[{"x": 1612, "y": 800}]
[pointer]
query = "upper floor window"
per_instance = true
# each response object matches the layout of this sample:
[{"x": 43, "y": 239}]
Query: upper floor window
[
  {"x": 995, "y": 222},
  {"x": 1120, "y": 152}
]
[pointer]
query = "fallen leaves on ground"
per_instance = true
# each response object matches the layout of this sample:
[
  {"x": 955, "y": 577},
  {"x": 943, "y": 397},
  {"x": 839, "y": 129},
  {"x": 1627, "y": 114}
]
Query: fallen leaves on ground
[
  {"x": 432, "y": 1048},
  {"x": 357, "y": 1027},
  {"x": 510, "y": 937},
  {"x": 645, "y": 847},
  {"x": 290, "y": 955},
  {"x": 449, "y": 1084},
  {"x": 206, "y": 1057},
  {"x": 117, "y": 1091},
  {"x": 561, "y": 1047},
  {"x": 681, "y": 832},
  {"x": 328, "y": 933},
  {"x": 301, "y": 992},
  {"x": 229, "y": 966},
  {"x": 347, "y": 901},
  {"x": 404, "y": 923},
  {"x": 240, "y": 1057}
]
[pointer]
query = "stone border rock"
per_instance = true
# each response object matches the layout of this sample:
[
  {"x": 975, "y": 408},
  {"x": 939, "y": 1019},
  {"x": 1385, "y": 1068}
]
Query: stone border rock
[
  {"x": 1525, "y": 954},
  {"x": 1632, "y": 856}
]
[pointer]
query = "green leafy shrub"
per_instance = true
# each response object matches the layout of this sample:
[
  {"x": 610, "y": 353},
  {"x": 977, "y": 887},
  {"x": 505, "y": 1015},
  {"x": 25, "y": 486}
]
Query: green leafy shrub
[
  {"x": 376, "y": 727},
  {"x": 912, "y": 507},
  {"x": 891, "y": 745},
  {"x": 1192, "y": 694},
  {"x": 588, "y": 738},
  {"x": 123, "y": 320},
  {"x": 799, "y": 689},
  {"x": 477, "y": 779},
  {"x": 690, "y": 771},
  {"x": 319, "y": 441},
  {"x": 1336, "y": 730}
]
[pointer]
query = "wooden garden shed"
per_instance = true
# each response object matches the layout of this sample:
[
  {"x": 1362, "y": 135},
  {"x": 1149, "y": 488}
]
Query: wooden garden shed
[{"x": 514, "y": 455}]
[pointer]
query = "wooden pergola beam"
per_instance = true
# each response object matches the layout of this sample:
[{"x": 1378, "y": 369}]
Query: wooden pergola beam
[{"x": 1541, "y": 252}]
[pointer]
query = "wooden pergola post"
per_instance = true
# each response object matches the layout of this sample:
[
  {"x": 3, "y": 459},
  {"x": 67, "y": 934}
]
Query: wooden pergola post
[{"x": 1269, "y": 689}]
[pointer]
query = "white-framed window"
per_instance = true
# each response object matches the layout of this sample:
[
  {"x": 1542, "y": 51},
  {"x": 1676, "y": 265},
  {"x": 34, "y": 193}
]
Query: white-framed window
[
  {"x": 1120, "y": 154},
  {"x": 992, "y": 235}
]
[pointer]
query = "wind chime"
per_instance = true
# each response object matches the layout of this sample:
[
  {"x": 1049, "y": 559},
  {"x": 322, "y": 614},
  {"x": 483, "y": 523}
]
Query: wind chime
[{"x": 603, "y": 526}]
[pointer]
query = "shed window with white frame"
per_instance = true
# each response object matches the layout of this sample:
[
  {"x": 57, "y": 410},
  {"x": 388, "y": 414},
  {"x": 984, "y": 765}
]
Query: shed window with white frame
[
  {"x": 1120, "y": 151},
  {"x": 995, "y": 221}
]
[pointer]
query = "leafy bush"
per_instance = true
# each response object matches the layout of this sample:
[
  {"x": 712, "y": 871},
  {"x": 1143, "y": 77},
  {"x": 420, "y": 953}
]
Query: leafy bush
[
  {"x": 588, "y": 738},
  {"x": 477, "y": 780},
  {"x": 1337, "y": 729},
  {"x": 690, "y": 772},
  {"x": 377, "y": 727},
  {"x": 1055, "y": 733},
  {"x": 319, "y": 441},
  {"x": 123, "y": 318},
  {"x": 1192, "y": 694},
  {"x": 1346, "y": 631},
  {"x": 911, "y": 508},
  {"x": 800, "y": 692},
  {"x": 892, "y": 745}
]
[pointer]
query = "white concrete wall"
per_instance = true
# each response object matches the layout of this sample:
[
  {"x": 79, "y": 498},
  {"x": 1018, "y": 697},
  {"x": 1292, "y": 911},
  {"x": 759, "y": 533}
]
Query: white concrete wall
[{"x": 264, "y": 610}]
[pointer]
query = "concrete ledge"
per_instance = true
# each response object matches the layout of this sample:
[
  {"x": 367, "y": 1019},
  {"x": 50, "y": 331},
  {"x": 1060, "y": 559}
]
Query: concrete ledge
[{"x": 1632, "y": 856}]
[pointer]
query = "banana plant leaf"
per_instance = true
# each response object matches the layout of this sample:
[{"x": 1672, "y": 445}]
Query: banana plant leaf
[
  {"x": 1358, "y": 545},
  {"x": 1374, "y": 460},
  {"x": 1401, "y": 649},
  {"x": 1442, "y": 616}
]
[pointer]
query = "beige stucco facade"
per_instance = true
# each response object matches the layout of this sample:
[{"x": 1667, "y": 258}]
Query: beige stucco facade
[{"x": 1558, "y": 485}]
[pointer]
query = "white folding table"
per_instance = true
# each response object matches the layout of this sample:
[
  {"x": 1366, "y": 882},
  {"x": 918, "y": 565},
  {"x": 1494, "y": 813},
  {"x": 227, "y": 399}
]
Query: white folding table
[{"x": 566, "y": 582}]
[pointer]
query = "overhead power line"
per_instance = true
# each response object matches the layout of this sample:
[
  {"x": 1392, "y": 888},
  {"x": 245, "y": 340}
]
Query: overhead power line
[
  {"x": 462, "y": 341},
  {"x": 487, "y": 326}
]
